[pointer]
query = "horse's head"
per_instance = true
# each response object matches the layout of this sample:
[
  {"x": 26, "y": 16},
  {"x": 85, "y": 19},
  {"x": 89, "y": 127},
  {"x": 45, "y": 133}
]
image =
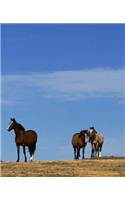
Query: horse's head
[
  {"x": 12, "y": 124},
  {"x": 85, "y": 134},
  {"x": 92, "y": 133}
]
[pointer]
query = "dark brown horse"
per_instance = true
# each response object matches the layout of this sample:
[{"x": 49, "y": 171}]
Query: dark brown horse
[
  {"x": 96, "y": 139},
  {"x": 79, "y": 140},
  {"x": 23, "y": 138}
]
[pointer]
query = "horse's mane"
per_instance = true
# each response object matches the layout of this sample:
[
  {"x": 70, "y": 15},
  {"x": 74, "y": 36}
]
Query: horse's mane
[{"x": 21, "y": 127}]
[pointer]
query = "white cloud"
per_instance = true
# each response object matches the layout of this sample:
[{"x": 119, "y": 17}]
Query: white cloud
[{"x": 66, "y": 85}]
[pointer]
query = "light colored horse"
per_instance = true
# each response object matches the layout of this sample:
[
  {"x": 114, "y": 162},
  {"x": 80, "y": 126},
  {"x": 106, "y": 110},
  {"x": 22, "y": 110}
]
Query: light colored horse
[{"x": 96, "y": 139}]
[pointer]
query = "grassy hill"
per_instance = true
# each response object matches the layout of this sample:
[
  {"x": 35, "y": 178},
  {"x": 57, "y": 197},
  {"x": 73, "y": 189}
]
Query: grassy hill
[{"x": 68, "y": 168}]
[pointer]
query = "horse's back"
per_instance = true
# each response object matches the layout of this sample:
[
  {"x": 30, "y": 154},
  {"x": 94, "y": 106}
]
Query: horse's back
[{"x": 31, "y": 131}]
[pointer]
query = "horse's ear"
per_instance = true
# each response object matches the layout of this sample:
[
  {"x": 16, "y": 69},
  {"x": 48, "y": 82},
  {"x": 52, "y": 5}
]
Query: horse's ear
[
  {"x": 82, "y": 132},
  {"x": 12, "y": 119},
  {"x": 92, "y": 127}
]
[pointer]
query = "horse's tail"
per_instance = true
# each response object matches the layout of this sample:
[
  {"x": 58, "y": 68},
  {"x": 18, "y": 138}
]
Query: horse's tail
[{"x": 32, "y": 148}]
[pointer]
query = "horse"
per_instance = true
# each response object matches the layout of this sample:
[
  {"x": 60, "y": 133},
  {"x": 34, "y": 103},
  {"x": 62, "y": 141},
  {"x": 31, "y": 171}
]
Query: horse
[
  {"x": 96, "y": 140},
  {"x": 24, "y": 138},
  {"x": 79, "y": 140}
]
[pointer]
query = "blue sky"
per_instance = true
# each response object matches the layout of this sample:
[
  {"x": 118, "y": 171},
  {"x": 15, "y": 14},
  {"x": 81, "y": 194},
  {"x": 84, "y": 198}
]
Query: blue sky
[{"x": 60, "y": 78}]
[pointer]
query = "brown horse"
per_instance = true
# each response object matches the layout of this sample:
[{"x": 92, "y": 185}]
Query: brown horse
[
  {"x": 23, "y": 138},
  {"x": 96, "y": 140},
  {"x": 79, "y": 140}
]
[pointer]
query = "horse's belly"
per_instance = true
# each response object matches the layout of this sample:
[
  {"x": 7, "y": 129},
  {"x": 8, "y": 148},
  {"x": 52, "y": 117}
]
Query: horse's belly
[
  {"x": 25, "y": 140},
  {"x": 19, "y": 141}
]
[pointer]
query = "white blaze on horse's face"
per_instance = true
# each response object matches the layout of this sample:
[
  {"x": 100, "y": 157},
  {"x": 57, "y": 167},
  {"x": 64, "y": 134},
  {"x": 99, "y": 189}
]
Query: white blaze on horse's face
[
  {"x": 91, "y": 130},
  {"x": 9, "y": 125}
]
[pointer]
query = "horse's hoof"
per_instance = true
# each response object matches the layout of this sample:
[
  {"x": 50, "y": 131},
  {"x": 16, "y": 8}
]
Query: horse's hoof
[{"x": 17, "y": 161}]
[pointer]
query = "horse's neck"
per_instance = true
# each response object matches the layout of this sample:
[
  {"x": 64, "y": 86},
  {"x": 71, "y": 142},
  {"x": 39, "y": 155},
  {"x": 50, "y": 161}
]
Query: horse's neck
[
  {"x": 18, "y": 131},
  {"x": 82, "y": 136},
  {"x": 94, "y": 131},
  {"x": 93, "y": 137}
]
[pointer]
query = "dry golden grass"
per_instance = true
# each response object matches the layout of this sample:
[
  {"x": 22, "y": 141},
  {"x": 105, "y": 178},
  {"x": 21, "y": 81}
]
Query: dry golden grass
[{"x": 108, "y": 167}]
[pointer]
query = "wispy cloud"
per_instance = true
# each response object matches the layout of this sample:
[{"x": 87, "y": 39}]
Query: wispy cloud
[{"x": 65, "y": 85}]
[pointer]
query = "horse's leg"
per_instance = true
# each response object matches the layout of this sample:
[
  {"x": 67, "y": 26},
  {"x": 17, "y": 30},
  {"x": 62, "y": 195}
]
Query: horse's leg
[
  {"x": 31, "y": 153},
  {"x": 78, "y": 153},
  {"x": 97, "y": 150},
  {"x": 74, "y": 152},
  {"x": 97, "y": 153},
  {"x": 18, "y": 153},
  {"x": 24, "y": 152},
  {"x": 100, "y": 150},
  {"x": 83, "y": 151},
  {"x": 92, "y": 151},
  {"x": 31, "y": 157}
]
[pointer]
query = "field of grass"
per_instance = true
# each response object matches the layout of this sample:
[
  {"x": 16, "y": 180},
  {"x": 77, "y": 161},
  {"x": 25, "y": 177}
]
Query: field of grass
[{"x": 108, "y": 167}]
